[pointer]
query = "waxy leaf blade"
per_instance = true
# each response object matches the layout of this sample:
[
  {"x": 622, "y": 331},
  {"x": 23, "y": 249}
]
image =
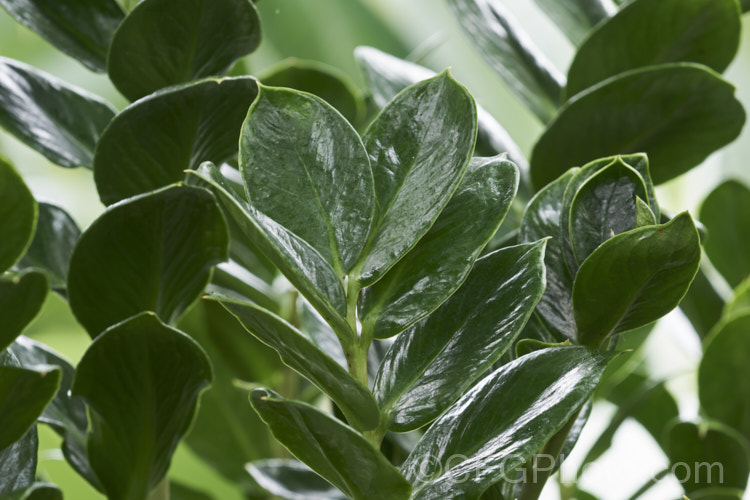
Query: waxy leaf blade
[
  {"x": 292, "y": 480},
  {"x": 442, "y": 259},
  {"x": 576, "y": 18},
  {"x": 502, "y": 421},
  {"x": 676, "y": 113},
  {"x": 387, "y": 75},
  {"x": 604, "y": 205},
  {"x": 327, "y": 82},
  {"x": 141, "y": 380},
  {"x": 60, "y": 121},
  {"x": 723, "y": 375},
  {"x": 419, "y": 147},
  {"x": 21, "y": 299},
  {"x": 300, "y": 263},
  {"x": 432, "y": 363},
  {"x": 83, "y": 29},
  {"x": 703, "y": 305},
  {"x": 18, "y": 216},
  {"x": 542, "y": 220},
  {"x": 511, "y": 53},
  {"x": 158, "y": 248},
  {"x": 646, "y": 33},
  {"x": 50, "y": 251},
  {"x": 635, "y": 278},
  {"x": 153, "y": 141},
  {"x": 19, "y": 464},
  {"x": 177, "y": 41},
  {"x": 337, "y": 452},
  {"x": 724, "y": 213},
  {"x": 294, "y": 142},
  {"x": 24, "y": 394},
  {"x": 303, "y": 356}
]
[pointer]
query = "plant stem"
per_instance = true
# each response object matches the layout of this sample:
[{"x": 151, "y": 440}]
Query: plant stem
[
  {"x": 161, "y": 492},
  {"x": 536, "y": 479}
]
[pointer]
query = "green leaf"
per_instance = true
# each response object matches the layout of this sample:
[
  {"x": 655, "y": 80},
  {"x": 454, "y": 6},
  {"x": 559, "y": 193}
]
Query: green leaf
[
  {"x": 542, "y": 220},
  {"x": 706, "y": 456},
  {"x": 303, "y": 356},
  {"x": 604, "y": 205},
  {"x": 158, "y": 248},
  {"x": 300, "y": 263},
  {"x": 19, "y": 464},
  {"x": 654, "y": 110},
  {"x": 178, "y": 491},
  {"x": 83, "y": 29},
  {"x": 724, "y": 213},
  {"x": 511, "y": 53},
  {"x": 419, "y": 146},
  {"x": 326, "y": 82},
  {"x": 576, "y": 18},
  {"x": 18, "y": 214},
  {"x": 702, "y": 304},
  {"x": 24, "y": 393},
  {"x": 644, "y": 216},
  {"x": 443, "y": 258},
  {"x": 502, "y": 421},
  {"x": 646, "y": 33},
  {"x": 431, "y": 364},
  {"x": 21, "y": 299},
  {"x": 635, "y": 278},
  {"x": 723, "y": 378},
  {"x": 141, "y": 380},
  {"x": 178, "y": 41},
  {"x": 152, "y": 142},
  {"x": 52, "y": 246},
  {"x": 739, "y": 303},
  {"x": 335, "y": 451},
  {"x": 292, "y": 480},
  {"x": 293, "y": 142},
  {"x": 42, "y": 491},
  {"x": 387, "y": 75},
  {"x": 60, "y": 121},
  {"x": 65, "y": 414}
]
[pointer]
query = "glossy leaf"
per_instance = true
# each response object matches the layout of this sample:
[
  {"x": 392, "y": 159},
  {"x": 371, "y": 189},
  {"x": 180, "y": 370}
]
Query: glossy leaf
[
  {"x": 65, "y": 414},
  {"x": 502, "y": 421},
  {"x": 511, "y": 53},
  {"x": 387, "y": 75},
  {"x": 431, "y": 364},
  {"x": 702, "y": 304},
  {"x": 702, "y": 31},
  {"x": 576, "y": 18},
  {"x": 301, "y": 264},
  {"x": 141, "y": 380},
  {"x": 643, "y": 214},
  {"x": 21, "y": 299},
  {"x": 635, "y": 278},
  {"x": 18, "y": 214},
  {"x": 723, "y": 381},
  {"x": 177, "y": 41},
  {"x": 419, "y": 146},
  {"x": 724, "y": 213},
  {"x": 152, "y": 142},
  {"x": 314, "y": 326},
  {"x": 677, "y": 113},
  {"x": 292, "y": 480},
  {"x": 542, "y": 220},
  {"x": 707, "y": 456},
  {"x": 739, "y": 303},
  {"x": 55, "y": 238},
  {"x": 303, "y": 356},
  {"x": 60, "y": 121},
  {"x": 293, "y": 142},
  {"x": 24, "y": 393},
  {"x": 82, "y": 29},
  {"x": 604, "y": 205},
  {"x": 158, "y": 248},
  {"x": 443, "y": 258},
  {"x": 326, "y": 82},
  {"x": 19, "y": 464},
  {"x": 337, "y": 452}
]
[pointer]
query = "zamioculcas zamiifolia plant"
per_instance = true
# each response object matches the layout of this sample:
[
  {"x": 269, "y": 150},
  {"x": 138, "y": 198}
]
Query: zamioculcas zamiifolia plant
[{"x": 325, "y": 301}]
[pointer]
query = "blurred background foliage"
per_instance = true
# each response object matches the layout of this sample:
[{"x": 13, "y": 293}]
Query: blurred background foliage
[{"x": 423, "y": 31}]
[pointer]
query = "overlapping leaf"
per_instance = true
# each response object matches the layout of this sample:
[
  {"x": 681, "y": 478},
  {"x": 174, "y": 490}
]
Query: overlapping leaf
[
  {"x": 292, "y": 480},
  {"x": 19, "y": 464},
  {"x": 18, "y": 215},
  {"x": 21, "y": 299},
  {"x": 576, "y": 18}
]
